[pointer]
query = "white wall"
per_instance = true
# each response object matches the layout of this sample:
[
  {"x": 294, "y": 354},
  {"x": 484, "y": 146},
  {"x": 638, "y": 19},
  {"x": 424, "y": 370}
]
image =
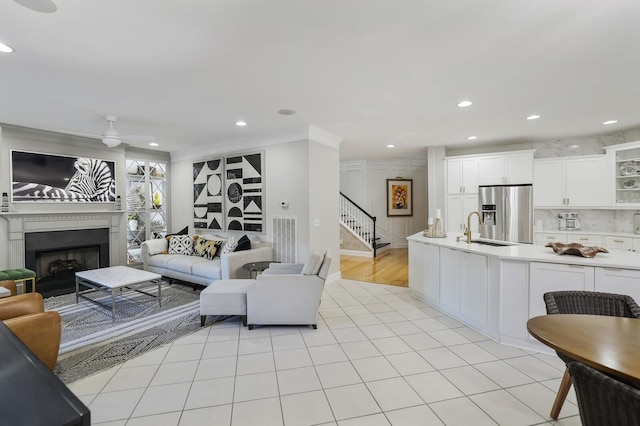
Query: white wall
[
  {"x": 288, "y": 180},
  {"x": 436, "y": 182},
  {"x": 324, "y": 188},
  {"x": 365, "y": 182}
]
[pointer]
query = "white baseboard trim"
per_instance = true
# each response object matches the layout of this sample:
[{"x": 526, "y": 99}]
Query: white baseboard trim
[
  {"x": 334, "y": 277},
  {"x": 357, "y": 253}
]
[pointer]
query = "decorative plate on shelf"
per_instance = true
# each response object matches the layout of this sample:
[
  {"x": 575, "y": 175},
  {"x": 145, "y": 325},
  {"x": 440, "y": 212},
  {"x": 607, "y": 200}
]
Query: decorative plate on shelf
[
  {"x": 630, "y": 184},
  {"x": 629, "y": 168},
  {"x": 576, "y": 249}
]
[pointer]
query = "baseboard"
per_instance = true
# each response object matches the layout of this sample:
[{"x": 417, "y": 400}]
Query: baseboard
[
  {"x": 356, "y": 253},
  {"x": 334, "y": 277}
]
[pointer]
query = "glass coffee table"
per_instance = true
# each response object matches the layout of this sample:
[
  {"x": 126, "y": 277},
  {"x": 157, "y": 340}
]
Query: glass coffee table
[
  {"x": 254, "y": 267},
  {"x": 115, "y": 278}
]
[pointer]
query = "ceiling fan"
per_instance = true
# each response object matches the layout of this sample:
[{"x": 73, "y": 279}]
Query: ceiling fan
[
  {"x": 45, "y": 6},
  {"x": 111, "y": 137}
]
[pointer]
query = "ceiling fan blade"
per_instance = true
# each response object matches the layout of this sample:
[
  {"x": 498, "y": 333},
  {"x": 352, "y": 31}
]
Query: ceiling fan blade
[{"x": 44, "y": 6}]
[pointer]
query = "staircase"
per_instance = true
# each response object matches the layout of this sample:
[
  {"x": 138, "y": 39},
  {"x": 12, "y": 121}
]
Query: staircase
[{"x": 361, "y": 224}]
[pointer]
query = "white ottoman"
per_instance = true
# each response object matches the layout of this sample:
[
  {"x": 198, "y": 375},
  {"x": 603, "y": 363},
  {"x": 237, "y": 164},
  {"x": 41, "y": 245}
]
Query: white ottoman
[{"x": 225, "y": 297}]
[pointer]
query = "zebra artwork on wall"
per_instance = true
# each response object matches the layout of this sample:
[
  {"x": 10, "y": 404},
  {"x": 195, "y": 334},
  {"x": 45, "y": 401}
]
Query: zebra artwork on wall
[{"x": 48, "y": 177}]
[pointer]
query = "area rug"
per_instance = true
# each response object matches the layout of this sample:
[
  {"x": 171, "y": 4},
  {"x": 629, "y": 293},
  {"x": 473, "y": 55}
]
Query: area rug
[{"x": 92, "y": 341}]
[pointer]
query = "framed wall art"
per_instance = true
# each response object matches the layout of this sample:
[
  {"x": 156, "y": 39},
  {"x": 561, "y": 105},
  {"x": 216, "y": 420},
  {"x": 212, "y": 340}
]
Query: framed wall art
[
  {"x": 207, "y": 194},
  {"x": 399, "y": 197},
  {"x": 59, "y": 178},
  {"x": 244, "y": 186}
]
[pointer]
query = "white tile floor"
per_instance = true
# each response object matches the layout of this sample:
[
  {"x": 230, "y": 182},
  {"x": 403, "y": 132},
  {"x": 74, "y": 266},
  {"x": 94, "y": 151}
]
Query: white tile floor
[{"x": 378, "y": 357}]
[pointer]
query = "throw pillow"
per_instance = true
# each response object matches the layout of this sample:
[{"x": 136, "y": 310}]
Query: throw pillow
[
  {"x": 218, "y": 244},
  {"x": 181, "y": 244},
  {"x": 155, "y": 246},
  {"x": 205, "y": 248},
  {"x": 312, "y": 266},
  {"x": 244, "y": 243},
  {"x": 230, "y": 245}
]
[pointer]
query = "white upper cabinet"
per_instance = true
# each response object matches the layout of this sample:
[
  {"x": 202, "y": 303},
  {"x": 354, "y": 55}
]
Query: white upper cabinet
[
  {"x": 571, "y": 182},
  {"x": 548, "y": 182},
  {"x": 458, "y": 208},
  {"x": 462, "y": 175},
  {"x": 506, "y": 168}
]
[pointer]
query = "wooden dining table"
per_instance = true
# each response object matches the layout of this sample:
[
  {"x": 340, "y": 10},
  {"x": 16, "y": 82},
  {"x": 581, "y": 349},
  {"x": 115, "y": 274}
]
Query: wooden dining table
[{"x": 609, "y": 344}]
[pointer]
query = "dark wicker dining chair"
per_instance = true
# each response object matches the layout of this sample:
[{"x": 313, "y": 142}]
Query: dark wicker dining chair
[
  {"x": 588, "y": 303},
  {"x": 604, "y": 400}
]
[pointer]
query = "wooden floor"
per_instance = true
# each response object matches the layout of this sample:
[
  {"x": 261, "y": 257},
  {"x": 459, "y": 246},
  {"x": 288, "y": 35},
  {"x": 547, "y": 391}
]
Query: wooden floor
[{"x": 390, "y": 267}]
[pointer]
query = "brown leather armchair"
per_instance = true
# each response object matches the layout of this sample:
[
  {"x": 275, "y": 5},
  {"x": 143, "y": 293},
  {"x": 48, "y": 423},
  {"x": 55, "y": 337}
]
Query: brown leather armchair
[{"x": 40, "y": 331}]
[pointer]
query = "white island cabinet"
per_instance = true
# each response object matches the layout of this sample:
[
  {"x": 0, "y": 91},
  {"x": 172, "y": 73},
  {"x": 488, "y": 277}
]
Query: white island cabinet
[
  {"x": 495, "y": 290},
  {"x": 616, "y": 280},
  {"x": 547, "y": 277},
  {"x": 464, "y": 290}
]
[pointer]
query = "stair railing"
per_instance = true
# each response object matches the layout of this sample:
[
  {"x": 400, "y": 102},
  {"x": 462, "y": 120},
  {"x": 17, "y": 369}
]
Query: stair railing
[{"x": 359, "y": 221}]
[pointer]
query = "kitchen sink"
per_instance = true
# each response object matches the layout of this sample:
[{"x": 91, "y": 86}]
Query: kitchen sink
[{"x": 491, "y": 243}]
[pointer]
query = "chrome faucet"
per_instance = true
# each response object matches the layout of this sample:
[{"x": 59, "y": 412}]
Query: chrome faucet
[{"x": 467, "y": 231}]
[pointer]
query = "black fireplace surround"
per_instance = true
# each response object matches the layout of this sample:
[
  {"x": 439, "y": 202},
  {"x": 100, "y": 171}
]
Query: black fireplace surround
[{"x": 40, "y": 243}]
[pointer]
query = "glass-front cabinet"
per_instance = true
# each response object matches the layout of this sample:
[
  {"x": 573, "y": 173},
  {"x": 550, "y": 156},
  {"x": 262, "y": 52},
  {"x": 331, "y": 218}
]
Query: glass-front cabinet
[
  {"x": 626, "y": 170},
  {"x": 146, "y": 204}
]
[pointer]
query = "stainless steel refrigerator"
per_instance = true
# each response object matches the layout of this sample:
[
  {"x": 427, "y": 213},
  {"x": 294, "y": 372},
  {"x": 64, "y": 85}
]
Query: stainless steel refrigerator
[{"x": 507, "y": 212}]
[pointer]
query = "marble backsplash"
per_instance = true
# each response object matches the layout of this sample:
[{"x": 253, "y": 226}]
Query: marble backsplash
[
  {"x": 590, "y": 220},
  {"x": 588, "y": 145}
]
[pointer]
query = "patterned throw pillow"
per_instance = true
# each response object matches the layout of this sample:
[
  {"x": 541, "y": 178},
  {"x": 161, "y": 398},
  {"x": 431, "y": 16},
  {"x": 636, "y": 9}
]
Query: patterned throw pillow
[
  {"x": 230, "y": 245},
  {"x": 219, "y": 244},
  {"x": 181, "y": 244},
  {"x": 206, "y": 248}
]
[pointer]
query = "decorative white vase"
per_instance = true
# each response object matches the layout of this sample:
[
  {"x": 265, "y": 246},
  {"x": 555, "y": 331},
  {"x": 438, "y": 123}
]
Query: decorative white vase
[{"x": 133, "y": 225}]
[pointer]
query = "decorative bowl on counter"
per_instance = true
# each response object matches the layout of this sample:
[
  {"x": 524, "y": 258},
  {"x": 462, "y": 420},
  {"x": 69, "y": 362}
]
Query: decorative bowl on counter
[{"x": 576, "y": 249}]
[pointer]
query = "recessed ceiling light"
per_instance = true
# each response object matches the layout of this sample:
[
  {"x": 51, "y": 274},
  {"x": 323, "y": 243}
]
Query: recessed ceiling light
[
  {"x": 610, "y": 122},
  {"x": 240, "y": 123},
  {"x": 533, "y": 117},
  {"x": 463, "y": 104},
  {"x": 153, "y": 143},
  {"x": 4, "y": 48},
  {"x": 391, "y": 146},
  {"x": 286, "y": 112},
  {"x": 472, "y": 138},
  {"x": 574, "y": 146}
]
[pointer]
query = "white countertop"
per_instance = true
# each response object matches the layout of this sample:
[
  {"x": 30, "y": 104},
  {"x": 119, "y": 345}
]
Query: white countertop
[
  {"x": 535, "y": 253},
  {"x": 584, "y": 231}
]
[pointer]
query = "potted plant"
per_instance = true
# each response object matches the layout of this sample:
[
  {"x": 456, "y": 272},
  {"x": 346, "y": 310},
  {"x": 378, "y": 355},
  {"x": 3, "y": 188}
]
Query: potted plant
[{"x": 134, "y": 219}]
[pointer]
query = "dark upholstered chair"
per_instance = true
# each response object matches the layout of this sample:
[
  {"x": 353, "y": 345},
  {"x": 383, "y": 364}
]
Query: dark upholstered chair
[
  {"x": 588, "y": 303},
  {"x": 603, "y": 400}
]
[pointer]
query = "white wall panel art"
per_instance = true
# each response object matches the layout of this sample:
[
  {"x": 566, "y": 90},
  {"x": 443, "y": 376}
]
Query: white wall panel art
[{"x": 207, "y": 194}]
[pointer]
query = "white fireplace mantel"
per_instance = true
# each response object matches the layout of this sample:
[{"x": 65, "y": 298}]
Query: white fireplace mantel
[{"x": 21, "y": 223}]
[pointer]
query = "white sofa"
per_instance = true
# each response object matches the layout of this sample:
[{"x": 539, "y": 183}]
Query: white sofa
[{"x": 196, "y": 269}]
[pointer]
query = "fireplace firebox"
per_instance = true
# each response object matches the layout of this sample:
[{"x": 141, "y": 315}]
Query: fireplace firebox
[{"x": 55, "y": 256}]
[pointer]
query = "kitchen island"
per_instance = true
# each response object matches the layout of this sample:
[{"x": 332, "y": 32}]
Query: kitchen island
[{"x": 496, "y": 290}]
